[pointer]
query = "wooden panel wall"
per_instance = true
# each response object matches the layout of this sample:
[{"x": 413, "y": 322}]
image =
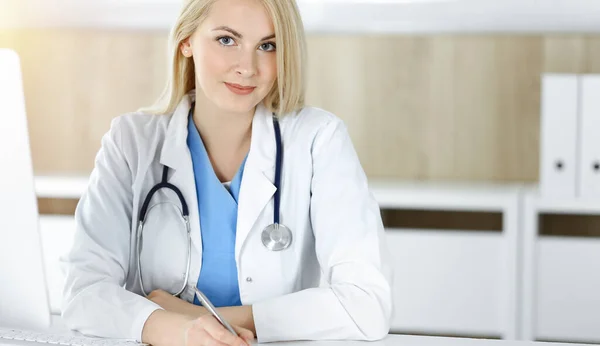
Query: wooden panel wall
[
  {"x": 76, "y": 82},
  {"x": 447, "y": 107}
]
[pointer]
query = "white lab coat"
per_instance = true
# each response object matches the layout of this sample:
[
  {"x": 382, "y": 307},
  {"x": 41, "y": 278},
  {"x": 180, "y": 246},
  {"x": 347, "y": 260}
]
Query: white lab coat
[{"x": 325, "y": 201}]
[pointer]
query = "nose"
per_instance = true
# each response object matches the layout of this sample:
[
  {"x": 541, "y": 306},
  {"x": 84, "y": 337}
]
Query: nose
[{"x": 246, "y": 66}]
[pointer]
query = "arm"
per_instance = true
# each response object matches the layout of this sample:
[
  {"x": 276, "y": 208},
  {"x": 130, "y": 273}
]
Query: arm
[
  {"x": 349, "y": 240},
  {"x": 94, "y": 300}
]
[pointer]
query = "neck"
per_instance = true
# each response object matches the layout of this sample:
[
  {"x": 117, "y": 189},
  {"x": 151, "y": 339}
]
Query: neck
[{"x": 227, "y": 131}]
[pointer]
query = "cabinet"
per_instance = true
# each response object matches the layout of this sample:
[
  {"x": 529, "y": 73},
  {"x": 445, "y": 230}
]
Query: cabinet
[
  {"x": 454, "y": 282},
  {"x": 561, "y": 273}
]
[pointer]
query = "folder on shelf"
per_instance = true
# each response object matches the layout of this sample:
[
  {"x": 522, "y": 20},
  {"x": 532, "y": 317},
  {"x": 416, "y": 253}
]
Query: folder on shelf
[
  {"x": 558, "y": 135},
  {"x": 589, "y": 139}
]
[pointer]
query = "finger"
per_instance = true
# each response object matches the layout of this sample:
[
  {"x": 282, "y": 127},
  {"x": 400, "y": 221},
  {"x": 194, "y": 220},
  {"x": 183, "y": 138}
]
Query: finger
[
  {"x": 220, "y": 333},
  {"x": 244, "y": 333},
  {"x": 197, "y": 336}
]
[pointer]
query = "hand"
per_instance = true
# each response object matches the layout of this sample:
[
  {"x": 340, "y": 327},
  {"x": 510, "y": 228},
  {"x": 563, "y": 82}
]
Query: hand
[
  {"x": 170, "y": 303},
  {"x": 206, "y": 330},
  {"x": 235, "y": 315},
  {"x": 165, "y": 328}
]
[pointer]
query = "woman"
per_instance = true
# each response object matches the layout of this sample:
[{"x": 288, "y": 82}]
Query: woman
[{"x": 231, "y": 133}]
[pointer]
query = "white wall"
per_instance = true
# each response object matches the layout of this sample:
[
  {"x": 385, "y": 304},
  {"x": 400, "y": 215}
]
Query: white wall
[{"x": 374, "y": 16}]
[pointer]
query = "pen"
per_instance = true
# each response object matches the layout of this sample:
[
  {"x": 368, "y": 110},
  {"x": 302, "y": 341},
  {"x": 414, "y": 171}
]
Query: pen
[{"x": 208, "y": 305}]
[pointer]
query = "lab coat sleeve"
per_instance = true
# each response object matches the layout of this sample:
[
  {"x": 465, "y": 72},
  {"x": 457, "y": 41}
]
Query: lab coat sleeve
[
  {"x": 350, "y": 247},
  {"x": 95, "y": 301}
]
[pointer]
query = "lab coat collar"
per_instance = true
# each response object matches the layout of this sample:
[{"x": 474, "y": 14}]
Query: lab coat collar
[
  {"x": 176, "y": 155},
  {"x": 257, "y": 186},
  {"x": 262, "y": 145},
  {"x": 175, "y": 145}
]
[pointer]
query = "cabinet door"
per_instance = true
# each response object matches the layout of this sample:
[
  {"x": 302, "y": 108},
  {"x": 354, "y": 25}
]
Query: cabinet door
[
  {"x": 568, "y": 289},
  {"x": 448, "y": 282}
]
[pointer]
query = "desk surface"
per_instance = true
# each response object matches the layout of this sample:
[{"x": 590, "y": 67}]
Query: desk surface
[
  {"x": 391, "y": 340},
  {"x": 409, "y": 340}
]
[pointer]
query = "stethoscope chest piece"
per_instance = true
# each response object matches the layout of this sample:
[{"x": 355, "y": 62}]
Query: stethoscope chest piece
[{"x": 276, "y": 237}]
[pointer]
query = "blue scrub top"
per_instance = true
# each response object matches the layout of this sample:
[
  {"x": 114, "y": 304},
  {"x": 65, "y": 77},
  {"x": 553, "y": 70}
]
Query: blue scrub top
[{"x": 218, "y": 218}]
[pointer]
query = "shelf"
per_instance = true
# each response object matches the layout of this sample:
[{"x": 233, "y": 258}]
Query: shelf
[
  {"x": 331, "y": 16},
  {"x": 562, "y": 205},
  {"x": 392, "y": 194},
  {"x": 60, "y": 187}
]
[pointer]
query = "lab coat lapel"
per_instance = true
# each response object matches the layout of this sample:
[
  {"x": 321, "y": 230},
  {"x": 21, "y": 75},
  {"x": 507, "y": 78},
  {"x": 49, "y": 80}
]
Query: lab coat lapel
[
  {"x": 257, "y": 182},
  {"x": 176, "y": 155}
]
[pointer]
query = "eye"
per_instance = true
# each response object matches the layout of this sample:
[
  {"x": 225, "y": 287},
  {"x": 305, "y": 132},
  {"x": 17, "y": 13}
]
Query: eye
[
  {"x": 226, "y": 40},
  {"x": 268, "y": 47}
]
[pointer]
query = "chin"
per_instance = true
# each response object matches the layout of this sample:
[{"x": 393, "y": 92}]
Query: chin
[
  {"x": 238, "y": 104},
  {"x": 238, "y": 108}
]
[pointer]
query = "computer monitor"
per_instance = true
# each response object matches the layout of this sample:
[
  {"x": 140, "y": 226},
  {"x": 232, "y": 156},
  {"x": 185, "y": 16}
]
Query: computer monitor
[{"x": 23, "y": 293}]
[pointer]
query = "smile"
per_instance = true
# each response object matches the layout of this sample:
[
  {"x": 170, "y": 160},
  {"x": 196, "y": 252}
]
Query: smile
[{"x": 239, "y": 89}]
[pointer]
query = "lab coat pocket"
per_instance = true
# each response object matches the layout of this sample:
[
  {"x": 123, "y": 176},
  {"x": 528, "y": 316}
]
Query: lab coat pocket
[{"x": 164, "y": 248}]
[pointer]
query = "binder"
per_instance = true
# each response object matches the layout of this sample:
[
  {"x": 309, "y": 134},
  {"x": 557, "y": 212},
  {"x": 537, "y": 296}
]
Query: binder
[
  {"x": 558, "y": 135},
  {"x": 589, "y": 139}
]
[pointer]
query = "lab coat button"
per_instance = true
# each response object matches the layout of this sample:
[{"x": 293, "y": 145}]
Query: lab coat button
[{"x": 249, "y": 279}]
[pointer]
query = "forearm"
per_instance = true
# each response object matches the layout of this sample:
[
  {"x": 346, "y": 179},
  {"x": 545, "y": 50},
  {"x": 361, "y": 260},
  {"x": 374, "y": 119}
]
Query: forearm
[
  {"x": 103, "y": 308},
  {"x": 239, "y": 315},
  {"x": 339, "y": 312}
]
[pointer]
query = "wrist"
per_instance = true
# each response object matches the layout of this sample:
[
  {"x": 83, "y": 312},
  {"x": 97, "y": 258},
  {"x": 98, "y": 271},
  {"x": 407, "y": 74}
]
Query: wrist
[{"x": 164, "y": 328}]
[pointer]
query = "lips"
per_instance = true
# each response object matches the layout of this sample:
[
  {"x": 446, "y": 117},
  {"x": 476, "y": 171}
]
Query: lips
[
  {"x": 242, "y": 87},
  {"x": 239, "y": 89}
]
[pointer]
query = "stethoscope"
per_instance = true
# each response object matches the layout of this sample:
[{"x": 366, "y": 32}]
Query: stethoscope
[{"x": 275, "y": 237}]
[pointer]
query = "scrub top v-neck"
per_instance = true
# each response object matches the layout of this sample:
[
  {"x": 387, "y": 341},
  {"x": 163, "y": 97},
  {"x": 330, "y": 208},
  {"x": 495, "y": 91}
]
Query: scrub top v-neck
[{"x": 217, "y": 207}]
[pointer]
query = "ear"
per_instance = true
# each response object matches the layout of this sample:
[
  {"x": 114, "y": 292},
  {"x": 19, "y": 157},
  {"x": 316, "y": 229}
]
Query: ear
[{"x": 186, "y": 48}]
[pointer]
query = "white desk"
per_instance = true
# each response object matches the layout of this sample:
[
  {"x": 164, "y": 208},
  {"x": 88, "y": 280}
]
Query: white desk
[
  {"x": 390, "y": 340},
  {"x": 409, "y": 340}
]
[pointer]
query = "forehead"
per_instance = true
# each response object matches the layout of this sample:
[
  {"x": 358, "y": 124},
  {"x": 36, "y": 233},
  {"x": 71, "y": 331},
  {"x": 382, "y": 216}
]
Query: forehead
[{"x": 248, "y": 17}]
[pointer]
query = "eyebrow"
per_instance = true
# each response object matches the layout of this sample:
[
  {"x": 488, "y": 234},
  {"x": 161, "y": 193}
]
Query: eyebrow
[{"x": 238, "y": 35}]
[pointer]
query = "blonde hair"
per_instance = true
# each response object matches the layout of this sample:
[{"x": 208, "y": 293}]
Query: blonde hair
[{"x": 288, "y": 92}]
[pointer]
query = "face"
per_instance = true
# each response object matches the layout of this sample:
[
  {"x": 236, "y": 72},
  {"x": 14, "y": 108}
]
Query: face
[{"x": 234, "y": 55}]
